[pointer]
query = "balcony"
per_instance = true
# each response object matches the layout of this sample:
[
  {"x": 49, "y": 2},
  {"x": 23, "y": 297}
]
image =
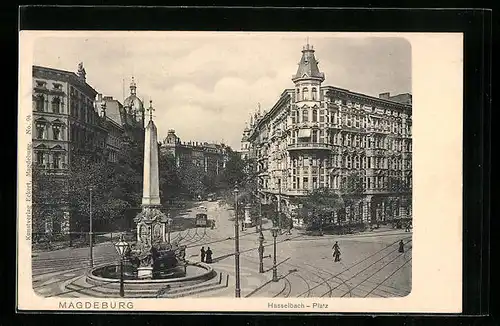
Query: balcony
[
  {"x": 309, "y": 146},
  {"x": 331, "y": 125}
]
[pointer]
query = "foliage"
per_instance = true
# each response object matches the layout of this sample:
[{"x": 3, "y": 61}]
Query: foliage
[
  {"x": 170, "y": 182},
  {"x": 48, "y": 192},
  {"x": 320, "y": 204}
]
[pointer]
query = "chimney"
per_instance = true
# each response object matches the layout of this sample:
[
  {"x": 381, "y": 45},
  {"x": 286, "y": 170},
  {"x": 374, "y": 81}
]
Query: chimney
[
  {"x": 385, "y": 95},
  {"x": 103, "y": 109}
]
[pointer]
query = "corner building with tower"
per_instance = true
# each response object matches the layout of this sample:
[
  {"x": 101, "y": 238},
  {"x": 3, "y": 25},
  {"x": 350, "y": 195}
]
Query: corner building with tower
[{"x": 317, "y": 136}]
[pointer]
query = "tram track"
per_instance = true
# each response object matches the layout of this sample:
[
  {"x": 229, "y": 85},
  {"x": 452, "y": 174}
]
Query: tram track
[
  {"x": 362, "y": 261},
  {"x": 366, "y": 268}
]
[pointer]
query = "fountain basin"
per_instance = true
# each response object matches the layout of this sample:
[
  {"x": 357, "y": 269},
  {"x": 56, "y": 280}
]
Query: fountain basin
[{"x": 99, "y": 283}]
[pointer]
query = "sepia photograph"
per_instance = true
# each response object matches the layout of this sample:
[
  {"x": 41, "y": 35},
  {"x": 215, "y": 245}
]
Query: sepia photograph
[
  {"x": 276, "y": 168},
  {"x": 229, "y": 167}
]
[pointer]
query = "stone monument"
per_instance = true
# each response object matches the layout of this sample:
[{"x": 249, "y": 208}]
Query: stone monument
[{"x": 151, "y": 221}]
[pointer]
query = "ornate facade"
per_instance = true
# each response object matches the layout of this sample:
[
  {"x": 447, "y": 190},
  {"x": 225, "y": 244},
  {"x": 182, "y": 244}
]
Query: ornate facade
[
  {"x": 212, "y": 157},
  {"x": 319, "y": 136}
]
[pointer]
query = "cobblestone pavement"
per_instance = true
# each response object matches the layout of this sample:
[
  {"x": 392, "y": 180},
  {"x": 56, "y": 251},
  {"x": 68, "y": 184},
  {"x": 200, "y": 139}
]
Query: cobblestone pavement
[{"x": 370, "y": 265}]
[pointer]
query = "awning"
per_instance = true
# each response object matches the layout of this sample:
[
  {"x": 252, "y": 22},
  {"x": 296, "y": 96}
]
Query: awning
[{"x": 304, "y": 133}]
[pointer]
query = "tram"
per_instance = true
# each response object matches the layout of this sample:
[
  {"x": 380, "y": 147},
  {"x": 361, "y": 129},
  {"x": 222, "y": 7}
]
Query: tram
[{"x": 201, "y": 220}]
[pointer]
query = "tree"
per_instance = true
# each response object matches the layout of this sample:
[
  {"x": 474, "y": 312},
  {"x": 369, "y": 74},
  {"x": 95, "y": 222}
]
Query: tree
[
  {"x": 170, "y": 183},
  {"x": 49, "y": 197},
  {"x": 191, "y": 176},
  {"x": 318, "y": 205}
]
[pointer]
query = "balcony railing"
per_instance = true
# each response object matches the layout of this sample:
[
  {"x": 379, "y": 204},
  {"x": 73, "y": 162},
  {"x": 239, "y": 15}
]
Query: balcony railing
[{"x": 309, "y": 145}]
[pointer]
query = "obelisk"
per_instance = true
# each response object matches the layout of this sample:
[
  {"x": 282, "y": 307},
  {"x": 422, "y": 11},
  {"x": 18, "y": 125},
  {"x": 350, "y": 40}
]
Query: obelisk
[
  {"x": 151, "y": 187},
  {"x": 151, "y": 220}
]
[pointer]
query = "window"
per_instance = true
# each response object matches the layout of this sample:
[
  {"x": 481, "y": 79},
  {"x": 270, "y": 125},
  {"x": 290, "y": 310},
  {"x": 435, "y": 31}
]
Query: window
[
  {"x": 357, "y": 162},
  {"x": 315, "y": 182},
  {"x": 40, "y": 103},
  {"x": 314, "y": 94},
  {"x": 305, "y": 182},
  {"x": 56, "y": 160},
  {"x": 315, "y": 115},
  {"x": 293, "y": 117},
  {"x": 322, "y": 116},
  {"x": 40, "y": 130},
  {"x": 297, "y": 95},
  {"x": 56, "y": 102},
  {"x": 314, "y": 138},
  {"x": 349, "y": 120},
  {"x": 305, "y": 115},
  {"x": 39, "y": 158},
  {"x": 369, "y": 162},
  {"x": 56, "y": 131}
]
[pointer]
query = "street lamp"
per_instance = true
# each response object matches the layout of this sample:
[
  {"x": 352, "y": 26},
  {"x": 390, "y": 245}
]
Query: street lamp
[
  {"x": 274, "y": 231},
  {"x": 91, "y": 256},
  {"x": 121, "y": 247},
  {"x": 236, "y": 244},
  {"x": 261, "y": 252}
]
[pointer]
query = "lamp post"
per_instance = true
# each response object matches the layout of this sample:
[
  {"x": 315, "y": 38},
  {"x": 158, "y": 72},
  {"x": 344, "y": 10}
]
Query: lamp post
[
  {"x": 274, "y": 231},
  {"x": 121, "y": 247},
  {"x": 261, "y": 252},
  {"x": 91, "y": 255},
  {"x": 237, "y": 292}
]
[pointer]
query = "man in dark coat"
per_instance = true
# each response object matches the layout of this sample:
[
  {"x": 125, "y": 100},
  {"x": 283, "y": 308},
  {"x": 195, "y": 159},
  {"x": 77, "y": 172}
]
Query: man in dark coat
[
  {"x": 401, "y": 246},
  {"x": 209, "y": 256},
  {"x": 336, "y": 251},
  {"x": 202, "y": 251}
]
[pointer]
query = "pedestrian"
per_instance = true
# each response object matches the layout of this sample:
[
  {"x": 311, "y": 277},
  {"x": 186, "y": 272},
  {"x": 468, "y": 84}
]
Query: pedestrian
[
  {"x": 202, "y": 251},
  {"x": 209, "y": 256},
  {"x": 336, "y": 251},
  {"x": 401, "y": 246}
]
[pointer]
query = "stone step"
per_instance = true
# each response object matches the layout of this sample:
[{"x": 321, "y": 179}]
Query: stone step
[
  {"x": 221, "y": 279},
  {"x": 83, "y": 287},
  {"x": 191, "y": 292}
]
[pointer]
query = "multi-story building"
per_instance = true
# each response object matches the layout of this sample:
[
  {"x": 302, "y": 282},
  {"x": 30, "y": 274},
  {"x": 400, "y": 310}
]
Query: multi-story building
[
  {"x": 211, "y": 157},
  {"x": 318, "y": 136},
  {"x": 70, "y": 119},
  {"x": 65, "y": 125},
  {"x": 120, "y": 121}
]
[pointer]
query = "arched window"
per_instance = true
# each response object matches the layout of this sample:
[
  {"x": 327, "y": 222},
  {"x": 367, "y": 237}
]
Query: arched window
[
  {"x": 305, "y": 115},
  {"x": 56, "y": 102},
  {"x": 314, "y": 94},
  {"x": 314, "y": 115},
  {"x": 305, "y": 94},
  {"x": 40, "y": 103}
]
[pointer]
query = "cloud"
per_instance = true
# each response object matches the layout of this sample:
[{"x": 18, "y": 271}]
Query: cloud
[{"x": 206, "y": 85}]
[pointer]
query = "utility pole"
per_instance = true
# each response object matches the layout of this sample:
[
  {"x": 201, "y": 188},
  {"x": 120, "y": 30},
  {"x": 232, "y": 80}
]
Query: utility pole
[{"x": 237, "y": 292}]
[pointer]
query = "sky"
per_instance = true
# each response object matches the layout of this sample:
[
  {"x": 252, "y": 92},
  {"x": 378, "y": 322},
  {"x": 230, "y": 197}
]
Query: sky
[{"x": 205, "y": 85}]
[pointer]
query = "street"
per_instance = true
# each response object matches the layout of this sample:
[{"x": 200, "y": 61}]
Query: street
[{"x": 370, "y": 265}]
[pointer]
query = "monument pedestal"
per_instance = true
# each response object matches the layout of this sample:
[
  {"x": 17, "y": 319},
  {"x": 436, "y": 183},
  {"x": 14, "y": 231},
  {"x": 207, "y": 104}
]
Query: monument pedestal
[{"x": 145, "y": 273}]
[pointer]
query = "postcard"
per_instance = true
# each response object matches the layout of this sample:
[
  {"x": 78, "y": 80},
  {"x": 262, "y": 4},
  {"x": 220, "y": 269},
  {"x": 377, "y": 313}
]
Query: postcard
[{"x": 271, "y": 171}]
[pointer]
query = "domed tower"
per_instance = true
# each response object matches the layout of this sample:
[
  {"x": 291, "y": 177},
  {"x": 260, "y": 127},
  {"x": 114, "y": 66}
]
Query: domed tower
[
  {"x": 308, "y": 79},
  {"x": 134, "y": 106}
]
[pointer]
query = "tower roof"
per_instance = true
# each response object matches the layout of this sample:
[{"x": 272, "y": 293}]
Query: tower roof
[
  {"x": 308, "y": 65},
  {"x": 133, "y": 100}
]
